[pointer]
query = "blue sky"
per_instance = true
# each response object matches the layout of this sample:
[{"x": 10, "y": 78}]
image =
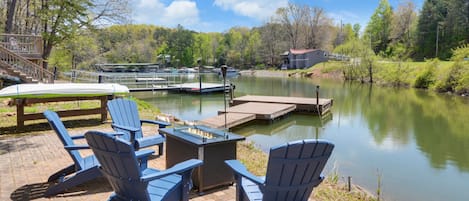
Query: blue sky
[{"x": 221, "y": 15}]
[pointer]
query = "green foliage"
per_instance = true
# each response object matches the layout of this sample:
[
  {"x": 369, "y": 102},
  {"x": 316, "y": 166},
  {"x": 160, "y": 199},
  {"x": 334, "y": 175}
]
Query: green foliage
[
  {"x": 378, "y": 29},
  {"x": 395, "y": 74},
  {"x": 362, "y": 60},
  {"x": 447, "y": 19},
  {"x": 79, "y": 53},
  {"x": 455, "y": 78},
  {"x": 356, "y": 30},
  {"x": 426, "y": 77}
]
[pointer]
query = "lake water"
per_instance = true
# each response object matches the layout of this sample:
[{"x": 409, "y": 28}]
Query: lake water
[{"x": 417, "y": 141}]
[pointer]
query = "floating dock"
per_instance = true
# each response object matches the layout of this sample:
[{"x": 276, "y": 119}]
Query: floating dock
[
  {"x": 314, "y": 105},
  {"x": 193, "y": 87},
  {"x": 248, "y": 108},
  {"x": 263, "y": 111},
  {"x": 232, "y": 120}
]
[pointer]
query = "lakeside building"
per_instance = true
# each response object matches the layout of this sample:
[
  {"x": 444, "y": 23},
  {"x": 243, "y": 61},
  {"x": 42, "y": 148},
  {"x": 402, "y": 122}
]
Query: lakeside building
[{"x": 303, "y": 58}]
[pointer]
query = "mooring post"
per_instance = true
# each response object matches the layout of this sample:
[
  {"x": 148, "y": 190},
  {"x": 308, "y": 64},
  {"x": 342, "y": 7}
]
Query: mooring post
[
  {"x": 349, "y": 183},
  {"x": 317, "y": 95},
  {"x": 317, "y": 100},
  {"x": 199, "y": 62}
]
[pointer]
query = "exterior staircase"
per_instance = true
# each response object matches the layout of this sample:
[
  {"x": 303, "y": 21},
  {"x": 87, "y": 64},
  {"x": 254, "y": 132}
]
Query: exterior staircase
[{"x": 21, "y": 57}]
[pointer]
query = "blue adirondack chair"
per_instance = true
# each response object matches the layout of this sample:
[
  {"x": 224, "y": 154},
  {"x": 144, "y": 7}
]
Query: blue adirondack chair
[
  {"x": 293, "y": 170},
  {"x": 85, "y": 168},
  {"x": 129, "y": 182},
  {"x": 124, "y": 115}
]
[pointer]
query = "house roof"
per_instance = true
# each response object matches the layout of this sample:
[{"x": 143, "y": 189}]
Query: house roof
[{"x": 301, "y": 51}]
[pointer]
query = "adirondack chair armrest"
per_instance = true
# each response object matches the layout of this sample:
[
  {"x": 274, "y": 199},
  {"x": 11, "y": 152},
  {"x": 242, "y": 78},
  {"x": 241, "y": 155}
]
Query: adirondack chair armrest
[
  {"x": 142, "y": 157},
  {"x": 76, "y": 147},
  {"x": 81, "y": 136},
  {"x": 75, "y": 137},
  {"x": 142, "y": 154},
  {"x": 127, "y": 128},
  {"x": 117, "y": 134},
  {"x": 239, "y": 169},
  {"x": 178, "y": 168},
  {"x": 161, "y": 124}
]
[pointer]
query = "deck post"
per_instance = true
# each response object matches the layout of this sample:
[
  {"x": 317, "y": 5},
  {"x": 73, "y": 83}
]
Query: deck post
[
  {"x": 104, "y": 108},
  {"x": 20, "y": 113}
]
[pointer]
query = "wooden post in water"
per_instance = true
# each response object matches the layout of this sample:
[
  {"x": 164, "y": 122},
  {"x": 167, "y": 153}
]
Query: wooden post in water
[
  {"x": 199, "y": 61},
  {"x": 349, "y": 183},
  {"x": 317, "y": 100}
]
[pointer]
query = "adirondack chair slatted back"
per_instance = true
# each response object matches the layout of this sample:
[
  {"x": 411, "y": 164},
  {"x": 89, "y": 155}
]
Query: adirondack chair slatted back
[
  {"x": 125, "y": 112},
  {"x": 295, "y": 169},
  {"x": 59, "y": 128},
  {"x": 119, "y": 165}
]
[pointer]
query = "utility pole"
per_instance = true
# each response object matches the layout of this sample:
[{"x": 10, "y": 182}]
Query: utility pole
[
  {"x": 436, "y": 42},
  {"x": 438, "y": 25}
]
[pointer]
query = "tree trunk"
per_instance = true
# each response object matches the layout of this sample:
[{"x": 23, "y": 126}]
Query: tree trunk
[
  {"x": 370, "y": 72},
  {"x": 10, "y": 16},
  {"x": 46, "y": 54}
]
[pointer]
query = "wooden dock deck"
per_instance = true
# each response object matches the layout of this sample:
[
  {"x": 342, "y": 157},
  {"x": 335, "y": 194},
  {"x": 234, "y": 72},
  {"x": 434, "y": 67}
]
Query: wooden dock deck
[
  {"x": 232, "y": 120},
  {"x": 248, "y": 108},
  {"x": 264, "y": 111},
  {"x": 302, "y": 104}
]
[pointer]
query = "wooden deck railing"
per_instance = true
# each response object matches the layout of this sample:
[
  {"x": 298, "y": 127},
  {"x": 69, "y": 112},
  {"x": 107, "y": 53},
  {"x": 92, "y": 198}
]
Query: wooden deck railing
[
  {"x": 18, "y": 63},
  {"x": 22, "y": 44}
]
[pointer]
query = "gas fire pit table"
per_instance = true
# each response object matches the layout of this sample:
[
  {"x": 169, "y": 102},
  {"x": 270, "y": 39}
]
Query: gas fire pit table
[{"x": 212, "y": 146}]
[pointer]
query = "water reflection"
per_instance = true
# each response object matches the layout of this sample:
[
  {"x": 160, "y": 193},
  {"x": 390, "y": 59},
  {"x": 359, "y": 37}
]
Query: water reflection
[
  {"x": 292, "y": 127},
  {"x": 434, "y": 121},
  {"x": 413, "y": 137}
]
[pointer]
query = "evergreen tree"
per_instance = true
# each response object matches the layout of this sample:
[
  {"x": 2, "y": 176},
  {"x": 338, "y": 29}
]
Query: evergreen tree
[
  {"x": 455, "y": 29},
  {"x": 431, "y": 18}
]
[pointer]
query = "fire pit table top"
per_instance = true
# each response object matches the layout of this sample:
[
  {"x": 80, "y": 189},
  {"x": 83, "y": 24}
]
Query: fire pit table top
[{"x": 201, "y": 135}]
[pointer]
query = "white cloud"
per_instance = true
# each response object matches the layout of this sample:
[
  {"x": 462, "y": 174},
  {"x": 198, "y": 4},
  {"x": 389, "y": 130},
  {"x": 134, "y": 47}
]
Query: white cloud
[
  {"x": 181, "y": 12},
  {"x": 258, "y": 9},
  {"x": 184, "y": 12}
]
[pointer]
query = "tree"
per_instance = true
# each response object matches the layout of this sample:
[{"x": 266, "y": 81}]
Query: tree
[
  {"x": 274, "y": 41},
  {"x": 455, "y": 29},
  {"x": 356, "y": 30},
  {"x": 431, "y": 16},
  {"x": 61, "y": 19},
  {"x": 379, "y": 28},
  {"x": 345, "y": 34},
  {"x": 79, "y": 53},
  {"x": 180, "y": 43},
  {"x": 403, "y": 30},
  {"x": 362, "y": 60},
  {"x": 253, "y": 46},
  {"x": 293, "y": 18},
  {"x": 11, "y": 5}
]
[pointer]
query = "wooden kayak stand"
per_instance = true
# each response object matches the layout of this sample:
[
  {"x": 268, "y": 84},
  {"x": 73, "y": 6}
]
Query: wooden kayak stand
[{"x": 22, "y": 102}]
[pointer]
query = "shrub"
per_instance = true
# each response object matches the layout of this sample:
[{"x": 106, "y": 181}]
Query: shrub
[
  {"x": 455, "y": 78},
  {"x": 426, "y": 77}
]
